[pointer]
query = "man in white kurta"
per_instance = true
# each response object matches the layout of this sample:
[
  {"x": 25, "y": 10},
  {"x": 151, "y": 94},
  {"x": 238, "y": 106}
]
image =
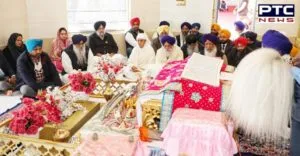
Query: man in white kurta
[
  {"x": 169, "y": 52},
  {"x": 76, "y": 57},
  {"x": 143, "y": 54}
]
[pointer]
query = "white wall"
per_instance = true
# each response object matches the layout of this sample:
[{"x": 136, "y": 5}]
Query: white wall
[
  {"x": 291, "y": 29},
  {"x": 194, "y": 11},
  {"x": 13, "y": 19},
  {"x": 148, "y": 11},
  {"x": 45, "y": 17}
]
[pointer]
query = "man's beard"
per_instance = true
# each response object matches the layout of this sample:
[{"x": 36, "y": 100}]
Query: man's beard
[{"x": 80, "y": 54}]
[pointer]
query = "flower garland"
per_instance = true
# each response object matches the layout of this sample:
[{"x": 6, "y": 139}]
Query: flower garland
[
  {"x": 107, "y": 69},
  {"x": 82, "y": 82}
]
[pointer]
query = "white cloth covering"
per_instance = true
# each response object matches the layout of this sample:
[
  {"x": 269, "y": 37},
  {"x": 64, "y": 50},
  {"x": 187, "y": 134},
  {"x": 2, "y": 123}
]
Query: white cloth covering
[{"x": 141, "y": 57}]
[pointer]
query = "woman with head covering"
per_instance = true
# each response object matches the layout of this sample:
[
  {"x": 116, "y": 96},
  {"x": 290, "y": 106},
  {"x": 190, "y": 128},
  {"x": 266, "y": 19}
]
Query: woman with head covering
[
  {"x": 210, "y": 42},
  {"x": 77, "y": 56},
  {"x": 102, "y": 42},
  {"x": 169, "y": 52},
  {"x": 143, "y": 54},
  {"x": 225, "y": 42},
  {"x": 35, "y": 69},
  {"x": 14, "y": 49},
  {"x": 192, "y": 46},
  {"x": 7, "y": 75},
  {"x": 238, "y": 52},
  {"x": 61, "y": 42},
  {"x": 162, "y": 31},
  {"x": 130, "y": 36},
  {"x": 185, "y": 30},
  {"x": 215, "y": 28}
]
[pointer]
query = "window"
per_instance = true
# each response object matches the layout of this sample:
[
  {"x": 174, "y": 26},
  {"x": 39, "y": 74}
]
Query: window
[{"x": 82, "y": 14}]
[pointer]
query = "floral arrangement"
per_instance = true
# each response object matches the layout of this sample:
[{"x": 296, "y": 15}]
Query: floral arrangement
[
  {"x": 82, "y": 82},
  {"x": 106, "y": 68},
  {"x": 34, "y": 115},
  {"x": 52, "y": 106},
  {"x": 67, "y": 101}
]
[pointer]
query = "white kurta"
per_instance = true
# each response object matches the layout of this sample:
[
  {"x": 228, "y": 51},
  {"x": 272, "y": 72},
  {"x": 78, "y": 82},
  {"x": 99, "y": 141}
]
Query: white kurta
[
  {"x": 163, "y": 56},
  {"x": 67, "y": 63},
  {"x": 141, "y": 57},
  {"x": 130, "y": 39}
]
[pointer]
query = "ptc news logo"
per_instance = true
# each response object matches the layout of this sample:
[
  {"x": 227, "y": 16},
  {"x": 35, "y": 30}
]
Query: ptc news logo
[{"x": 276, "y": 13}]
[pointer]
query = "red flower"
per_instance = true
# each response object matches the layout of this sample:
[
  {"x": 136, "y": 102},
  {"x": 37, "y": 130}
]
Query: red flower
[
  {"x": 82, "y": 82},
  {"x": 33, "y": 129},
  {"x": 27, "y": 101}
]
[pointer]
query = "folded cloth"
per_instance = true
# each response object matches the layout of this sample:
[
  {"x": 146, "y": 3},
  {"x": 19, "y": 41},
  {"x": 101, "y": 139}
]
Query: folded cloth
[{"x": 197, "y": 132}]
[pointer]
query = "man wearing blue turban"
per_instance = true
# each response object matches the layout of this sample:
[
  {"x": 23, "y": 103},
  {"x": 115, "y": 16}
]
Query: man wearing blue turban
[
  {"x": 35, "y": 70},
  {"x": 169, "y": 52}
]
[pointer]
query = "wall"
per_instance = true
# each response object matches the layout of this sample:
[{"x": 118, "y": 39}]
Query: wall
[
  {"x": 194, "y": 11},
  {"x": 291, "y": 30},
  {"x": 148, "y": 11},
  {"x": 13, "y": 18},
  {"x": 45, "y": 17}
]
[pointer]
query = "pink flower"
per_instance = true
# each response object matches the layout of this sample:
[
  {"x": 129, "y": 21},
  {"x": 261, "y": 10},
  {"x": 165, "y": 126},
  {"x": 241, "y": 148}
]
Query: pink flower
[{"x": 27, "y": 101}]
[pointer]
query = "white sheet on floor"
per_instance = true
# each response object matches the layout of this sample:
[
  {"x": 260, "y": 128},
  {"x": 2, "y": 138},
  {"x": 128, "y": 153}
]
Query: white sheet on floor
[{"x": 8, "y": 102}]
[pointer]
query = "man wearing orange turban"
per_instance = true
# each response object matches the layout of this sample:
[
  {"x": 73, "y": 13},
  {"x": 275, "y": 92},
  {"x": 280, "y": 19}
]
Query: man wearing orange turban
[
  {"x": 238, "y": 52},
  {"x": 130, "y": 36},
  {"x": 215, "y": 28},
  {"x": 225, "y": 43}
]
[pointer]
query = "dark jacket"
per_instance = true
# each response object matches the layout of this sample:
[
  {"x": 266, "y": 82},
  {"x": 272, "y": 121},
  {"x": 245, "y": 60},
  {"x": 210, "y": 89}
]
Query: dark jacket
[
  {"x": 156, "y": 44},
  {"x": 296, "y": 106},
  {"x": 178, "y": 40},
  {"x": 255, "y": 45},
  {"x": 107, "y": 45},
  {"x": 11, "y": 54},
  {"x": 184, "y": 49},
  {"x": 26, "y": 73},
  {"x": 235, "y": 57},
  {"x": 228, "y": 47},
  {"x": 5, "y": 67}
]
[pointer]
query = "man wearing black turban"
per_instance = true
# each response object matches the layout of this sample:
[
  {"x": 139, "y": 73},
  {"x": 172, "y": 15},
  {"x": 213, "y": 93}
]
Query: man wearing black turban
[
  {"x": 102, "y": 42},
  {"x": 185, "y": 30},
  {"x": 253, "y": 43}
]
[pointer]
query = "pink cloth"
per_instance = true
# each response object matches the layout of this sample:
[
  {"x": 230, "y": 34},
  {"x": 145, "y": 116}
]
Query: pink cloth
[
  {"x": 107, "y": 146},
  {"x": 58, "y": 45},
  {"x": 198, "y": 132},
  {"x": 198, "y": 95},
  {"x": 170, "y": 73}
]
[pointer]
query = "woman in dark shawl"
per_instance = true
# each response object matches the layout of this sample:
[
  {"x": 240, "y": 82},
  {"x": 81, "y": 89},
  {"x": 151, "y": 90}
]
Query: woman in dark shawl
[{"x": 13, "y": 50}]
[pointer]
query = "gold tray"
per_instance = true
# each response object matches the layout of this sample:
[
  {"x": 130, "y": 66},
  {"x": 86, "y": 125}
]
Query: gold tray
[
  {"x": 45, "y": 143},
  {"x": 73, "y": 123}
]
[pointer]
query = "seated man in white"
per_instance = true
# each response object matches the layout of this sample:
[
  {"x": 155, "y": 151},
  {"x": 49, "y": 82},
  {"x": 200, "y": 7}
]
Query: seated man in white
[
  {"x": 143, "y": 54},
  {"x": 77, "y": 57},
  {"x": 169, "y": 52}
]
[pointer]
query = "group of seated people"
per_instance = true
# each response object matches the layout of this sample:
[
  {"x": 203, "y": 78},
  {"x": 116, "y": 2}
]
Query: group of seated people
[{"x": 26, "y": 67}]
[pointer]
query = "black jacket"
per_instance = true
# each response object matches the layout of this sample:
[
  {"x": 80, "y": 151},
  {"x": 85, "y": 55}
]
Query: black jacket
[
  {"x": 255, "y": 45},
  {"x": 107, "y": 45},
  {"x": 26, "y": 73},
  {"x": 228, "y": 47},
  {"x": 5, "y": 67},
  {"x": 235, "y": 57}
]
